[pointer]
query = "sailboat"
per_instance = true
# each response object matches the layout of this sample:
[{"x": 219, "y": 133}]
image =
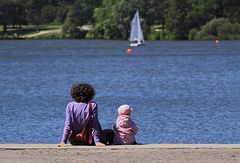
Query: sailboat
[{"x": 136, "y": 35}]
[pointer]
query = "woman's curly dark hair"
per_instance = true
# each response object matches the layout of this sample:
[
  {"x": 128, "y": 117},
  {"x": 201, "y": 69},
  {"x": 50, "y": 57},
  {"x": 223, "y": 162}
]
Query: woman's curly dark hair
[{"x": 82, "y": 92}]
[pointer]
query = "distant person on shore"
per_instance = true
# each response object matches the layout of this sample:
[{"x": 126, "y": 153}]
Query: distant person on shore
[
  {"x": 82, "y": 126},
  {"x": 124, "y": 127}
]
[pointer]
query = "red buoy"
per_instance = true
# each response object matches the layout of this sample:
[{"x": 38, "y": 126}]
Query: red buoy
[{"x": 129, "y": 51}]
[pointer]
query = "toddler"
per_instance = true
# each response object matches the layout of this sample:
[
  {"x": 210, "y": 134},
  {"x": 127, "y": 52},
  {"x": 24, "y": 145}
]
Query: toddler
[{"x": 124, "y": 127}]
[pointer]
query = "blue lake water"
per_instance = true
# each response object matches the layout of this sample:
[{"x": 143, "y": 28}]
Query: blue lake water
[{"x": 180, "y": 91}]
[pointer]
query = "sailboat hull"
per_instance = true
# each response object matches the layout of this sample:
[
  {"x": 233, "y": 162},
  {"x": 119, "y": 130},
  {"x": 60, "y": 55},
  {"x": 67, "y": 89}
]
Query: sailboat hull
[{"x": 136, "y": 44}]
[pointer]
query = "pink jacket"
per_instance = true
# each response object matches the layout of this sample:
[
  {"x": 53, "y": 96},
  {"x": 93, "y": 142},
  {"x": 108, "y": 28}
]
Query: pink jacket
[{"x": 124, "y": 129}]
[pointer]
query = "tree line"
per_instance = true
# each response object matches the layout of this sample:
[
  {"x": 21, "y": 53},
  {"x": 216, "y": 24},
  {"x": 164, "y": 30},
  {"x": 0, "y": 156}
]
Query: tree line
[{"x": 110, "y": 19}]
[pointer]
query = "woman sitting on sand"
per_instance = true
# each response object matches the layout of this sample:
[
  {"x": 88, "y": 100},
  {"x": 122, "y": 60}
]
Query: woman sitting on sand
[{"x": 82, "y": 115}]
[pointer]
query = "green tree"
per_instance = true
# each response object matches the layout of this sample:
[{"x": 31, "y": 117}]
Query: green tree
[
  {"x": 217, "y": 27},
  {"x": 83, "y": 10},
  {"x": 62, "y": 11},
  {"x": 11, "y": 13},
  {"x": 70, "y": 29},
  {"x": 176, "y": 17},
  {"x": 4, "y": 12},
  {"x": 48, "y": 14},
  {"x": 81, "y": 13},
  {"x": 33, "y": 11},
  {"x": 105, "y": 26}
]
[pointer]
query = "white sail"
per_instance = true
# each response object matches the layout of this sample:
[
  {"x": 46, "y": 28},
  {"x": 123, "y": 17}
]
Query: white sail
[{"x": 136, "y": 35}]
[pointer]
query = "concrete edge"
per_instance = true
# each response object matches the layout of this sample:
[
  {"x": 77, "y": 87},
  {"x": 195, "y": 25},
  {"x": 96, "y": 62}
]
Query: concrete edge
[{"x": 141, "y": 146}]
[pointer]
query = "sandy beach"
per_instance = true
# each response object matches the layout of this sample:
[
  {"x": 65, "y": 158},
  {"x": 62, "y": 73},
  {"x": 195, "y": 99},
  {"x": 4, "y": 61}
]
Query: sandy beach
[{"x": 171, "y": 153}]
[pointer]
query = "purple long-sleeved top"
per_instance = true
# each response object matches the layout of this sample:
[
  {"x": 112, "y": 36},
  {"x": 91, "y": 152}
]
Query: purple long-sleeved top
[{"x": 80, "y": 113}]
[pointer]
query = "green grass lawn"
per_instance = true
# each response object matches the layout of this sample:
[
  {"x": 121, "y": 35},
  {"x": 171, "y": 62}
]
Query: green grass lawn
[
  {"x": 41, "y": 27},
  {"x": 28, "y": 30}
]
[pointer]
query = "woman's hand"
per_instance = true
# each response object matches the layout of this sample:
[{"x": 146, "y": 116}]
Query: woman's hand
[
  {"x": 62, "y": 145},
  {"x": 100, "y": 145}
]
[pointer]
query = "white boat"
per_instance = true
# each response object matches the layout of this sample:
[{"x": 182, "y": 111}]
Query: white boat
[{"x": 136, "y": 35}]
